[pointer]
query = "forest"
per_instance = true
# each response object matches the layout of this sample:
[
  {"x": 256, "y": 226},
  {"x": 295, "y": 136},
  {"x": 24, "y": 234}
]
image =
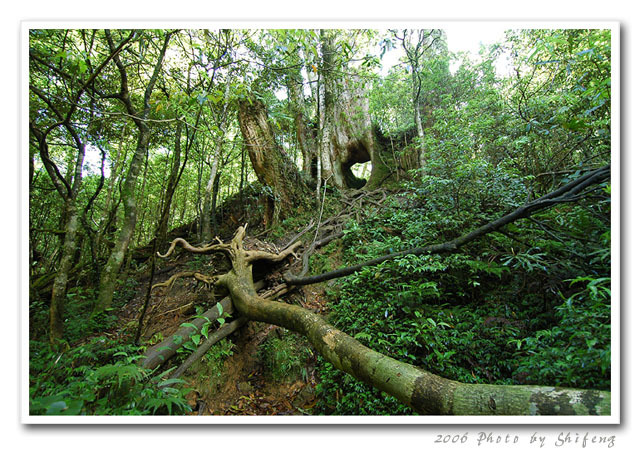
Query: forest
[{"x": 312, "y": 222}]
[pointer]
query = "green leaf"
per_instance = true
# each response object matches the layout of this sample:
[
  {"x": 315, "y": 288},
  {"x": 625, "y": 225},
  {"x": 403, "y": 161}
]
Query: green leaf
[
  {"x": 56, "y": 408},
  {"x": 189, "y": 324},
  {"x": 74, "y": 408}
]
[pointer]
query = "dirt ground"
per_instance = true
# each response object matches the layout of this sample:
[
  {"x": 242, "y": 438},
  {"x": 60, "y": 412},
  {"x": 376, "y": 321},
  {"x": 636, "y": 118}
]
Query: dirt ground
[{"x": 243, "y": 386}]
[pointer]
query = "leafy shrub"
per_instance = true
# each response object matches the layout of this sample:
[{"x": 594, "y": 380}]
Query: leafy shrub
[
  {"x": 100, "y": 377},
  {"x": 576, "y": 352}
]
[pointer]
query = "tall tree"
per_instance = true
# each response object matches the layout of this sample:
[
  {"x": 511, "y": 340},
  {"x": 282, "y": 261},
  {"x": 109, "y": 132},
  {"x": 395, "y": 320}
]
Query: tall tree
[
  {"x": 140, "y": 118},
  {"x": 416, "y": 44},
  {"x": 346, "y": 135},
  {"x": 211, "y": 188}
]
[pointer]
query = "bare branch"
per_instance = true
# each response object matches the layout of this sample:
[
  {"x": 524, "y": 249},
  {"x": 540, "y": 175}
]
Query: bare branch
[
  {"x": 565, "y": 194},
  {"x": 208, "y": 249}
]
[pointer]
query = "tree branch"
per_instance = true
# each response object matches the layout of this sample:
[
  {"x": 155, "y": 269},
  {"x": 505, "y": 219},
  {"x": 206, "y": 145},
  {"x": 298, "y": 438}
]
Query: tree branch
[
  {"x": 207, "y": 249},
  {"x": 563, "y": 194}
]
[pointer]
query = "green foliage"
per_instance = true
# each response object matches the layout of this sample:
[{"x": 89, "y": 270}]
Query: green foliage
[
  {"x": 493, "y": 314},
  {"x": 285, "y": 356},
  {"x": 576, "y": 352},
  {"x": 100, "y": 377},
  {"x": 210, "y": 372},
  {"x": 79, "y": 323},
  {"x": 214, "y": 359}
]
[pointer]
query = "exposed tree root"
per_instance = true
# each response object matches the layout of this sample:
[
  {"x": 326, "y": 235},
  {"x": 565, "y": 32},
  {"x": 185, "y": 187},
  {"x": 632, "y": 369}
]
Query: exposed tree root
[{"x": 206, "y": 279}]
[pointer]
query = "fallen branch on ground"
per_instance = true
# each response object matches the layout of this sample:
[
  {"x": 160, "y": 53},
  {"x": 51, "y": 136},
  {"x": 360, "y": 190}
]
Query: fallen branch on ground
[
  {"x": 565, "y": 194},
  {"x": 163, "y": 351},
  {"x": 222, "y": 332}
]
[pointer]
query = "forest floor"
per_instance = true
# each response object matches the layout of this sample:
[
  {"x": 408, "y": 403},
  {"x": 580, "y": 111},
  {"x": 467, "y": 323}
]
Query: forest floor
[{"x": 240, "y": 382}]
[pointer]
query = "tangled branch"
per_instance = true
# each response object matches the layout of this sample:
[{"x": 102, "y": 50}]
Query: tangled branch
[
  {"x": 568, "y": 193},
  {"x": 206, "y": 279}
]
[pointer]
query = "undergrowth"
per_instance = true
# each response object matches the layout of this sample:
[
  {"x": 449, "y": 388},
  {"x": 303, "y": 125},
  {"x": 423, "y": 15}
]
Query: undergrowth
[
  {"x": 530, "y": 306},
  {"x": 87, "y": 374},
  {"x": 100, "y": 377},
  {"x": 285, "y": 356}
]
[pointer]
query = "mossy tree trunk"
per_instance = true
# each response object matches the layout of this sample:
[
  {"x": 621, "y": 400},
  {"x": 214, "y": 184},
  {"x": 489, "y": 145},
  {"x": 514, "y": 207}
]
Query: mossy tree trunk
[{"x": 272, "y": 166}]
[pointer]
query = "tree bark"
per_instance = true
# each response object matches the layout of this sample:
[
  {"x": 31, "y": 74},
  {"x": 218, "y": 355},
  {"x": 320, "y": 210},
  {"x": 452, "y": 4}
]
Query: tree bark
[{"x": 270, "y": 163}]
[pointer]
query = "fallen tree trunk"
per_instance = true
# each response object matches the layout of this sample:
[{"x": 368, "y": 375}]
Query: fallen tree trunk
[
  {"x": 425, "y": 392},
  {"x": 163, "y": 351},
  {"x": 224, "y": 331}
]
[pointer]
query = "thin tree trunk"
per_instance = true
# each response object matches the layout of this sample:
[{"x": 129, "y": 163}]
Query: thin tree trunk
[
  {"x": 118, "y": 252},
  {"x": 172, "y": 184},
  {"x": 210, "y": 195},
  {"x": 294, "y": 82},
  {"x": 146, "y": 200},
  {"x": 111, "y": 269},
  {"x": 418, "y": 120},
  {"x": 59, "y": 292}
]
